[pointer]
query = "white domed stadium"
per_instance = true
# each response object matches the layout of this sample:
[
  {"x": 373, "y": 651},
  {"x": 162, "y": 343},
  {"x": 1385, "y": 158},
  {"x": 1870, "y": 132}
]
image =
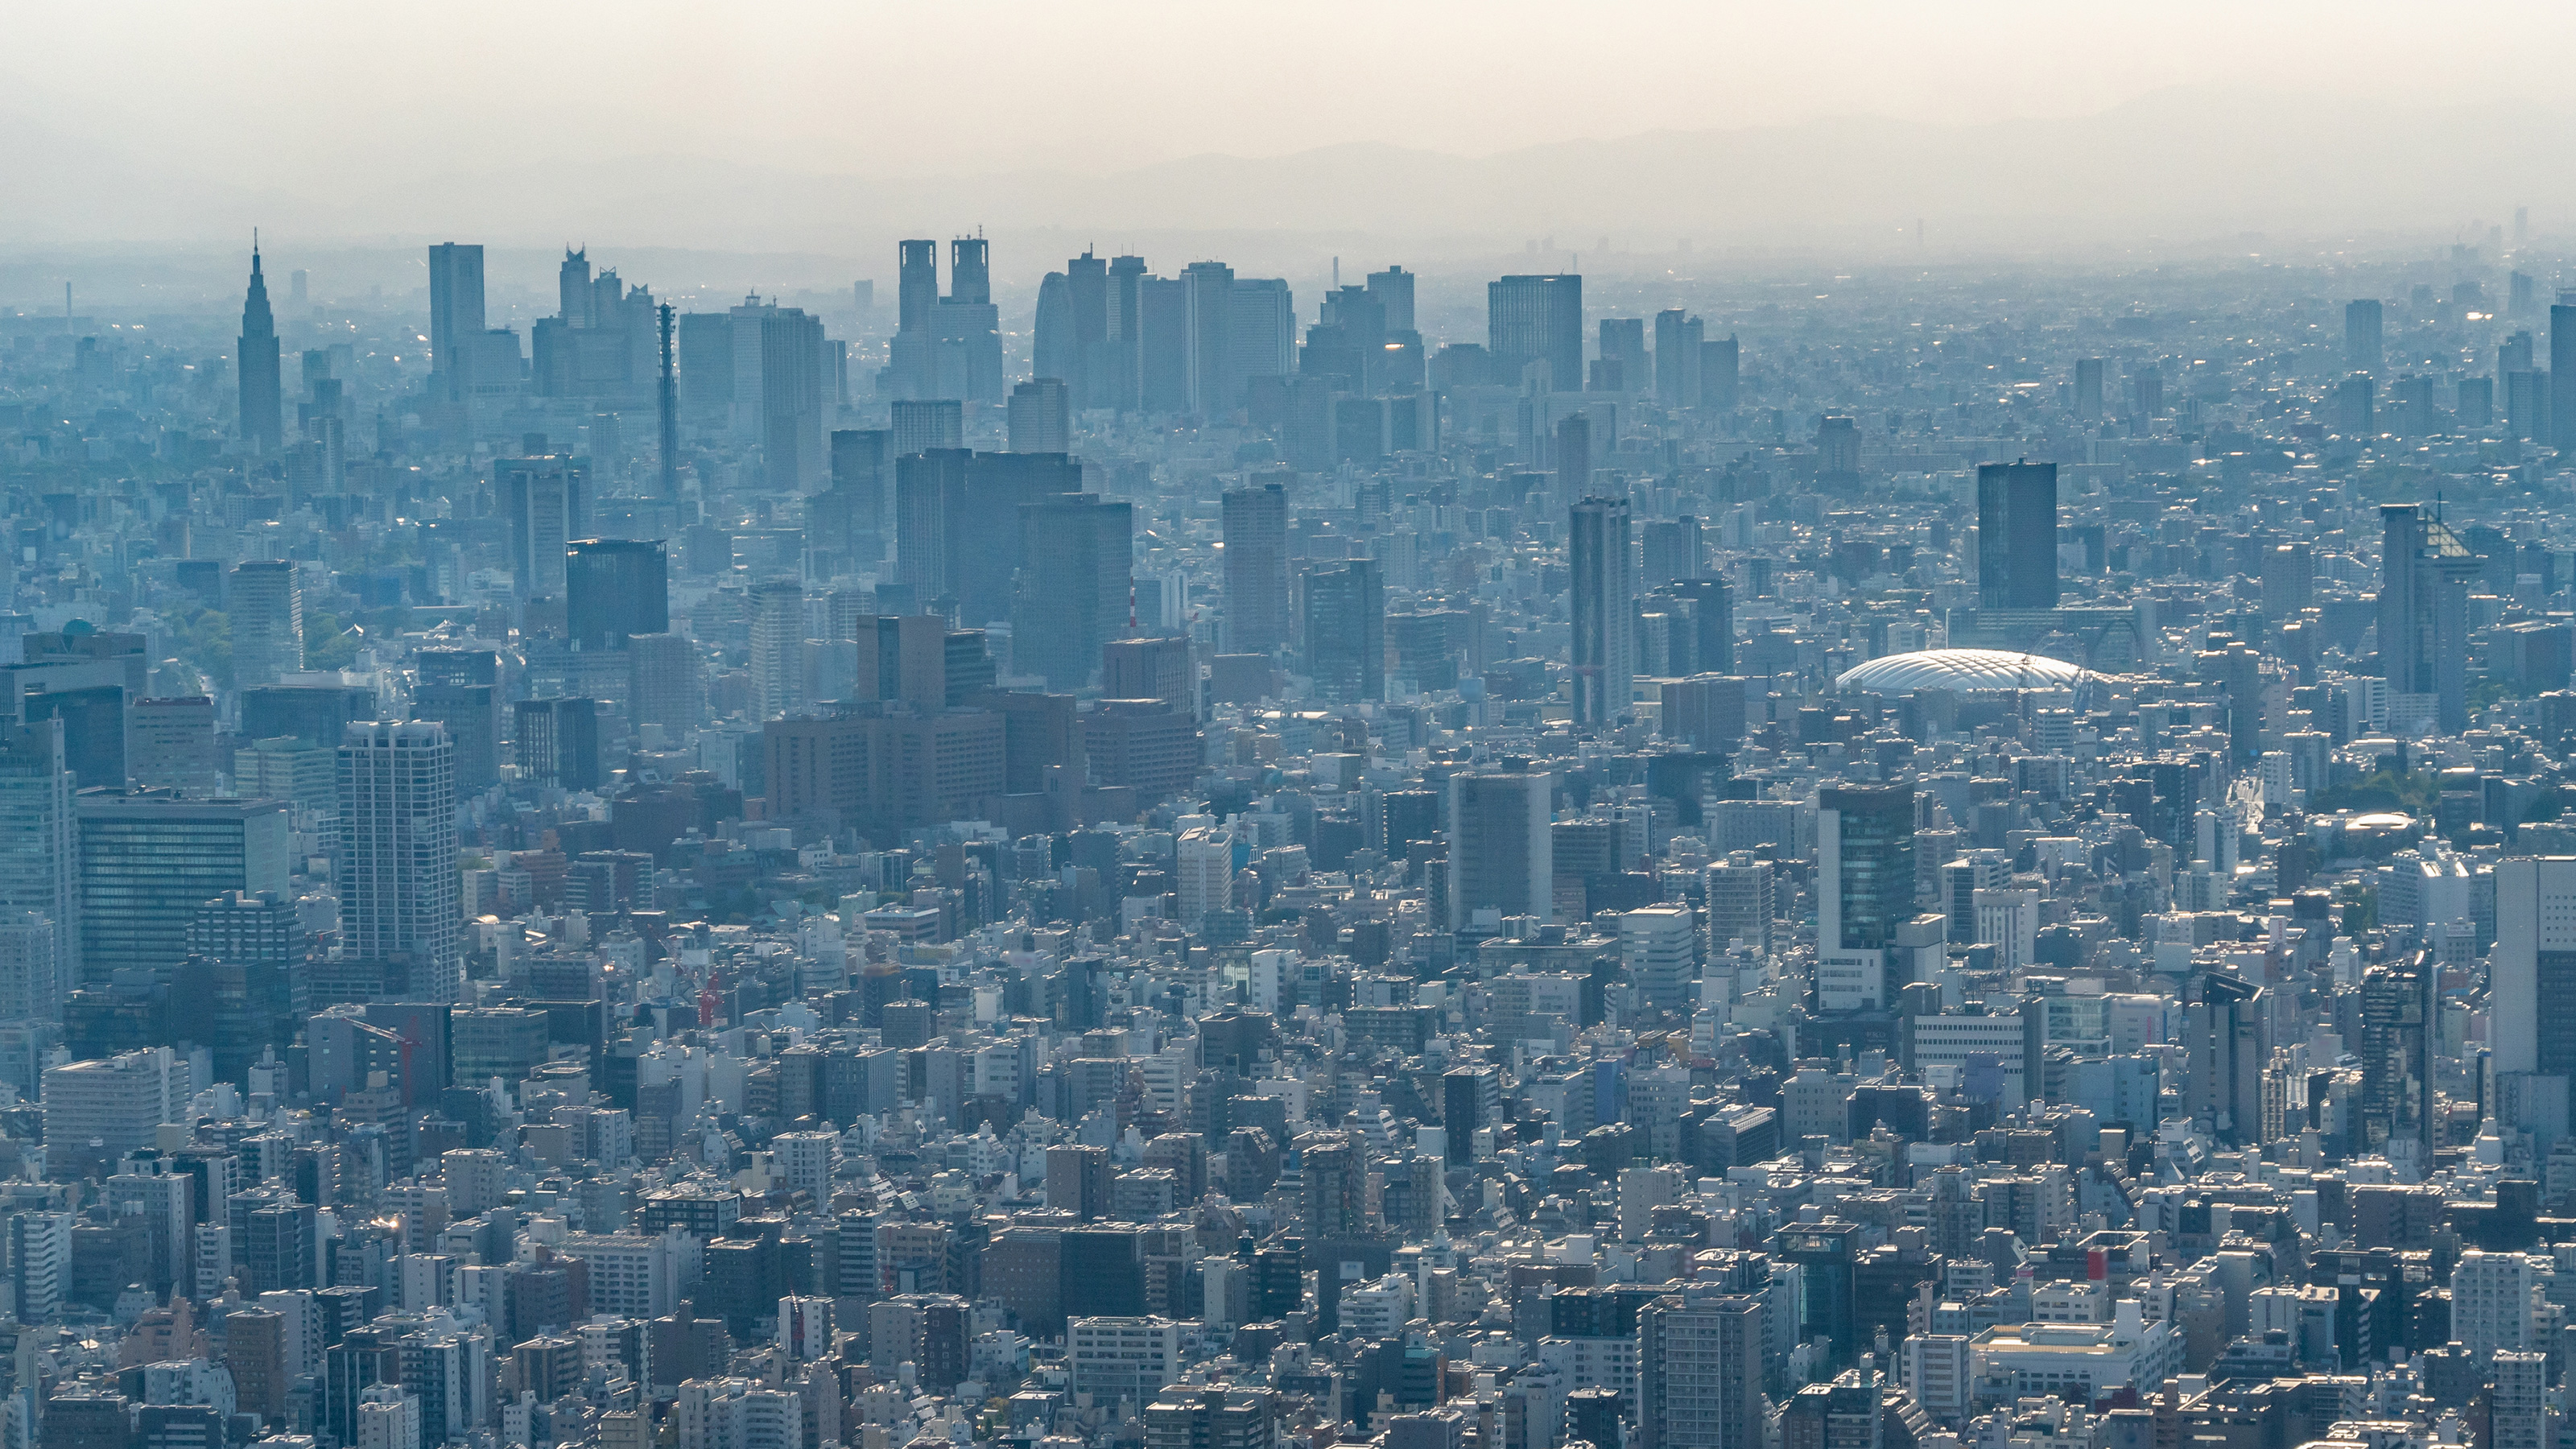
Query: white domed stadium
[{"x": 1967, "y": 671}]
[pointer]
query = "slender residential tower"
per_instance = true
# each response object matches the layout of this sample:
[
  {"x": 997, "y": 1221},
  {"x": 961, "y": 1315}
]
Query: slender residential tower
[{"x": 262, "y": 406}]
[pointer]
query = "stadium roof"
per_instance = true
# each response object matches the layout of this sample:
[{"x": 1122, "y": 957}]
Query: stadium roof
[{"x": 1966, "y": 670}]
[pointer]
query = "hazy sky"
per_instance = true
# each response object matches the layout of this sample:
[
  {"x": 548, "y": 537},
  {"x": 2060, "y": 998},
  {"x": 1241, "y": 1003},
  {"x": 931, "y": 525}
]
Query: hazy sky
[{"x": 280, "y": 94}]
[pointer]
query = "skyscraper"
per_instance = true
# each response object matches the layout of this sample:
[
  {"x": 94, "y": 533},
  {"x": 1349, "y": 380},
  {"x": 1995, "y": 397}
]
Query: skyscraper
[
  {"x": 2533, "y": 965},
  {"x": 1536, "y": 319},
  {"x": 1699, "y": 1371},
  {"x": 615, "y": 588},
  {"x": 1040, "y": 417},
  {"x": 148, "y": 861},
  {"x": 1073, "y": 593},
  {"x": 1720, "y": 362},
  {"x": 1346, "y": 632},
  {"x": 1502, "y": 856},
  {"x": 267, "y": 602},
  {"x": 40, "y": 853},
  {"x": 455, "y": 318},
  {"x": 1209, "y": 337},
  {"x": 263, "y": 417},
  {"x": 546, "y": 499},
  {"x": 777, "y": 648},
  {"x": 2017, "y": 535},
  {"x": 398, "y": 877},
  {"x": 2361, "y": 349},
  {"x": 2400, "y": 1024},
  {"x": 254, "y": 946},
  {"x": 1604, "y": 611},
  {"x": 1864, "y": 892},
  {"x": 2424, "y": 574},
  {"x": 1678, "y": 358},
  {"x": 792, "y": 417},
  {"x": 1256, "y": 568},
  {"x": 2562, "y": 372},
  {"x": 558, "y": 742}
]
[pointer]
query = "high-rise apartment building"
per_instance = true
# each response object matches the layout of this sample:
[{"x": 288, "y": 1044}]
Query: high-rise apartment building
[
  {"x": 398, "y": 878},
  {"x": 777, "y": 648},
  {"x": 1699, "y": 1371},
  {"x": 40, "y": 859},
  {"x": 2424, "y": 576},
  {"x": 2361, "y": 345}
]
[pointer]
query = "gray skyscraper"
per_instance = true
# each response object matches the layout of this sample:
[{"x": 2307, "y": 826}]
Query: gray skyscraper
[
  {"x": 1210, "y": 338},
  {"x": 1040, "y": 417},
  {"x": 1604, "y": 610},
  {"x": 2361, "y": 349},
  {"x": 398, "y": 877},
  {"x": 546, "y": 499},
  {"x": 2562, "y": 372},
  {"x": 1536, "y": 319},
  {"x": 615, "y": 588},
  {"x": 1073, "y": 593},
  {"x": 1679, "y": 357},
  {"x": 777, "y": 648},
  {"x": 2424, "y": 574},
  {"x": 792, "y": 416},
  {"x": 148, "y": 861},
  {"x": 40, "y": 852},
  {"x": 1256, "y": 568},
  {"x": 1346, "y": 632},
  {"x": 455, "y": 318},
  {"x": 1502, "y": 856},
  {"x": 268, "y": 621},
  {"x": 1864, "y": 893},
  {"x": 262, "y": 404},
  {"x": 2017, "y": 536}
]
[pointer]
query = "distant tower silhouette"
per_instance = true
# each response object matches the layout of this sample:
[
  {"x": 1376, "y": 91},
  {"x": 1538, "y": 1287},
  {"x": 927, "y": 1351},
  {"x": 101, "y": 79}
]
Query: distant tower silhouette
[
  {"x": 262, "y": 404},
  {"x": 670, "y": 403}
]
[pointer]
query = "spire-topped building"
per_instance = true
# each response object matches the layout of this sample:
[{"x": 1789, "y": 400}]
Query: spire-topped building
[{"x": 262, "y": 405}]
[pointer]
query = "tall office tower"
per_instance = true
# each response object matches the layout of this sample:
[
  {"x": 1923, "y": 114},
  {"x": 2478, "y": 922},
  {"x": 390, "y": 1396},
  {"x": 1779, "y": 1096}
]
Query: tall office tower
[
  {"x": 472, "y": 714},
  {"x": 922, "y": 424},
  {"x": 792, "y": 416},
  {"x": 1502, "y": 858},
  {"x": 2526, "y": 405},
  {"x": 1699, "y": 1371},
  {"x": 1205, "y": 860},
  {"x": 666, "y": 399},
  {"x": 2361, "y": 349},
  {"x": 267, "y": 602},
  {"x": 32, "y": 981},
  {"x": 862, "y": 479},
  {"x": 1393, "y": 289},
  {"x": 2533, "y": 964},
  {"x": 1209, "y": 334},
  {"x": 1118, "y": 373},
  {"x": 1742, "y": 900},
  {"x": 1536, "y": 319},
  {"x": 929, "y": 493},
  {"x": 1604, "y": 610},
  {"x": 148, "y": 861},
  {"x": 398, "y": 878},
  {"x": 917, "y": 287},
  {"x": 1261, "y": 339},
  {"x": 1053, "y": 351},
  {"x": 1151, "y": 669},
  {"x": 1679, "y": 358},
  {"x": 455, "y": 319},
  {"x": 263, "y": 414},
  {"x": 1256, "y": 568},
  {"x": 664, "y": 688},
  {"x": 1704, "y": 711},
  {"x": 1864, "y": 894},
  {"x": 2088, "y": 388},
  {"x": 2400, "y": 1016},
  {"x": 1040, "y": 417},
  {"x": 1719, "y": 371},
  {"x": 615, "y": 588},
  {"x": 1346, "y": 632},
  {"x": 1672, "y": 551},
  {"x": 2017, "y": 535},
  {"x": 547, "y": 501},
  {"x": 171, "y": 743},
  {"x": 777, "y": 648},
  {"x": 557, "y": 742},
  {"x": 1163, "y": 352},
  {"x": 2356, "y": 411},
  {"x": 2226, "y": 1044},
  {"x": 1622, "y": 365},
  {"x": 1572, "y": 457},
  {"x": 2424, "y": 574},
  {"x": 256, "y": 947},
  {"x": 2289, "y": 579},
  {"x": 40, "y": 851},
  {"x": 1073, "y": 593},
  {"x": 2562, "y": 372},
  {"x": 970, "y": 270},
  {"x": 1712, "y": 615}
]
